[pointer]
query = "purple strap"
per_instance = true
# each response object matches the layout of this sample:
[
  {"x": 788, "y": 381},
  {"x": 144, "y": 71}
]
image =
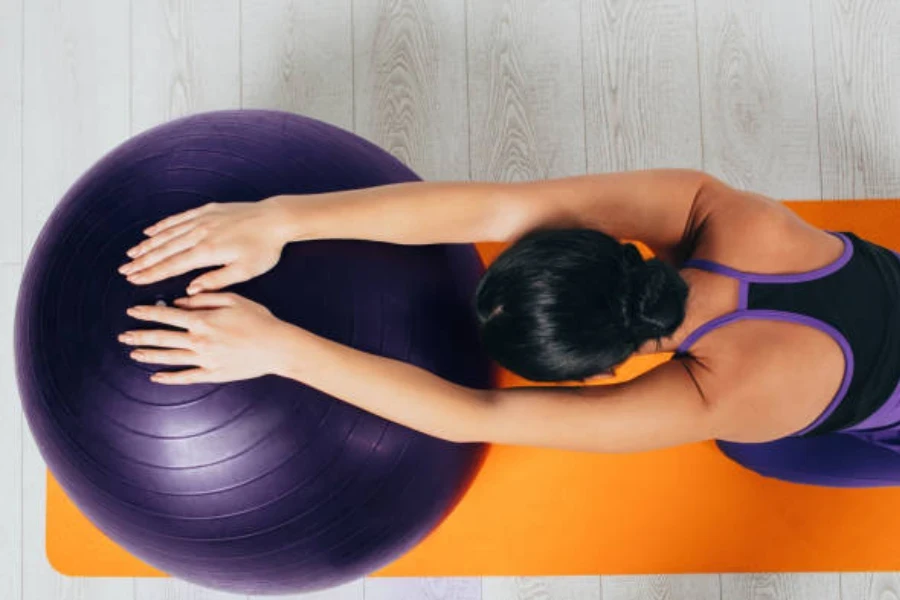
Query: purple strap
[{"x": 744, "y": 276}]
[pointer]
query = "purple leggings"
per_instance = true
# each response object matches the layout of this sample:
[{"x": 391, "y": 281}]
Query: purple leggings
[{"x": 833, "y": 460}]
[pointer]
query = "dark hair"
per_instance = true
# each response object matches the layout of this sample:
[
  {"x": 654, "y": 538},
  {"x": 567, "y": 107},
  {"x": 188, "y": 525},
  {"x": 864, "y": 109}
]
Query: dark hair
[{"x": 569, "y": 304}]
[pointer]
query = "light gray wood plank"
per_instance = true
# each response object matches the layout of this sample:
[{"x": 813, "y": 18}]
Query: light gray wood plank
[
  {"x": 540, "y": 588},
  {"x": 857, "y": 49},
  {"x": 526, "y": 98},
  {"x": 297, "y": 56},
  {"x": 758, "y": 95},
  {"x": 354, "y": 590},
  {"x": 432, "y": 588},
  {"x": 75, "y": 80},
  {"x": 173, "y": 589},
  {"x": 641, "y": 85},
  {"x": 410, "y": 82},
  {"x": 11, "y": 423},
  {"x": 76, "y": 97},
  {"x": 11, "y": 23},
  {"x": 185, "y": 59},
  {"x": 782, "y": 586},
  {"x": 667, "y": 587},
  {"x": 870, "y": 586}
]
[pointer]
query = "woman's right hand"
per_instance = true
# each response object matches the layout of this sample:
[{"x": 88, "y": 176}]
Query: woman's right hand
[{"x": 242, "y": 237}]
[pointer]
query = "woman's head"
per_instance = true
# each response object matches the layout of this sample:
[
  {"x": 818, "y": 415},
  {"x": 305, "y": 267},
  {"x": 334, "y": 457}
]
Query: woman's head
[{"x": 569, "y": 304}]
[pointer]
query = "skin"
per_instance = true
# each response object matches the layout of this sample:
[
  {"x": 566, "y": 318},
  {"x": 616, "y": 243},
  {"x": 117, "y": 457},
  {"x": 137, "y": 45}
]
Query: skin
[{"x": 749, "y": 381}]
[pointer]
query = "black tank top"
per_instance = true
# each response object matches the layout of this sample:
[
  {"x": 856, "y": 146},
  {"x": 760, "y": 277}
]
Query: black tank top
[{"x": 856, "y": 300}]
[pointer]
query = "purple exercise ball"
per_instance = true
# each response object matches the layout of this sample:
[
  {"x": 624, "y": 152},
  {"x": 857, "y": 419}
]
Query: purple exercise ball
[{"x": 262, "y": 486}]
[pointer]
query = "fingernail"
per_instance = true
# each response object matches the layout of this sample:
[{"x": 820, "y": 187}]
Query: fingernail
[
  {"x": 124, "y": 337},
  {"x": 131, "y": 311},
  {"x": 125, "y": 269},
  {"x": 193, "y": 289},
  {"x": 132, "y": 252}
]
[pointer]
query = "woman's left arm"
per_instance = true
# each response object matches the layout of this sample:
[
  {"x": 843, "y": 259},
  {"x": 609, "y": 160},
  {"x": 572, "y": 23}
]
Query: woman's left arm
[
  {"x": 227, "y": 337},
  {"x": 659, "y": 409}
]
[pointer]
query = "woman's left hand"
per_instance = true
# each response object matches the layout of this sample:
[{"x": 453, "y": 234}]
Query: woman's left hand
[{"x": 227, "y": 337}]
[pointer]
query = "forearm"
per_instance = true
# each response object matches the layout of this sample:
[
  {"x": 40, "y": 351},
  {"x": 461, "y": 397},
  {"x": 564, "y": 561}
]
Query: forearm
[
  {"x": 405, "y": 213},
  {"x": 389, "y": 388}
]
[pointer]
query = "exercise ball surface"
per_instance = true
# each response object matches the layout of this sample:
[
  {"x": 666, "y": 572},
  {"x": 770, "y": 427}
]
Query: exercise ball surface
[{"x": 262, "y": 486}]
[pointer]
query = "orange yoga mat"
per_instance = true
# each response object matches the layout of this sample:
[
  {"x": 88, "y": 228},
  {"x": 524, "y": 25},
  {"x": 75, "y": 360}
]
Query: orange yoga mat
[{"x": 545, "y": 512}]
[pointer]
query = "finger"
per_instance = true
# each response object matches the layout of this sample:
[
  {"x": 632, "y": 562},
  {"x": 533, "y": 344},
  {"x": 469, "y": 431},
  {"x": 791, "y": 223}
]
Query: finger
[
  {"x": 164, "y": 314},
  {"x": 177, "y": 219},
  {"x": 161, "y": 238},
  {"x": 207, "y": 300},
  {"x": 156, "y": 256},
  {"x": 184, "y": 377},
  {"x": 218, "y": 279},
  {"x": 165, "y": 357},
  {"x": 158, "y": 338},
  {"x": 187, "y": 260}
]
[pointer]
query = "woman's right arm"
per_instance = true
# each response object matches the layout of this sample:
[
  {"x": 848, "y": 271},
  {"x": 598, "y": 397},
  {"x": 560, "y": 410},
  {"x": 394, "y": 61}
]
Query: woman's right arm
[
  {"x": 667, "y": 209},
  {"x": 652, "y": 206}
]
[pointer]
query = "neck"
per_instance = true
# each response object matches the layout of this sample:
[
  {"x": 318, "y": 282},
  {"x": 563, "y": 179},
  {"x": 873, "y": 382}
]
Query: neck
[{"x": 695, "y": 312}]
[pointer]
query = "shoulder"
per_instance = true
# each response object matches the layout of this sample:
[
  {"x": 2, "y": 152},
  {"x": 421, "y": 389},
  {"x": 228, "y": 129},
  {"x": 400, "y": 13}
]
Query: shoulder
[{"x": 755, "y": 233}]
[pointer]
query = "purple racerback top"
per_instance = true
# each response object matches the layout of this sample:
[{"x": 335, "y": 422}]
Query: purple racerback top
[{"x": 853, "y": 300}]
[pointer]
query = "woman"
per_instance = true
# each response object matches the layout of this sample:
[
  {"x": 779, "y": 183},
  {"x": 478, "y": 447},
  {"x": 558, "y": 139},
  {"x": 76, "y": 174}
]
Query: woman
[{"x": 786, "y": 337}]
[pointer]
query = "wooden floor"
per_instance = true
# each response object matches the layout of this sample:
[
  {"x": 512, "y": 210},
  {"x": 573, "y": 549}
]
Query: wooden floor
[{"x": 794, "y": 98}]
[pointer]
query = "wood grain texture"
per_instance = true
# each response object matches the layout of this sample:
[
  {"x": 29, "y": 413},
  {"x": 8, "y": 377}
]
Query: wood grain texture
[
  {"x": 663, "y": 587},
  {"x": 11, "y": 425},
  {"x": 641, "y": 85},
  {"x": 349, "y": 591},
  {"x": 76, "y": 109},
  {"x": 430, "y": 588},
  {"x": 857, "y": 50},
  {"x": 11, "y": 44},
  {"x": 782, "y": 587},
  {"x": 185, "y": 59},
  {"x": 410, "y": 82},
  {"x": 297, "y": 56},
  {"x": 540, "y": 588},
  {"x": 173, "y": 589},
  {"x": 758, "y": 95},
  {"x": 870, "y": 586},
  {"x": 526, "y": 99}
]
